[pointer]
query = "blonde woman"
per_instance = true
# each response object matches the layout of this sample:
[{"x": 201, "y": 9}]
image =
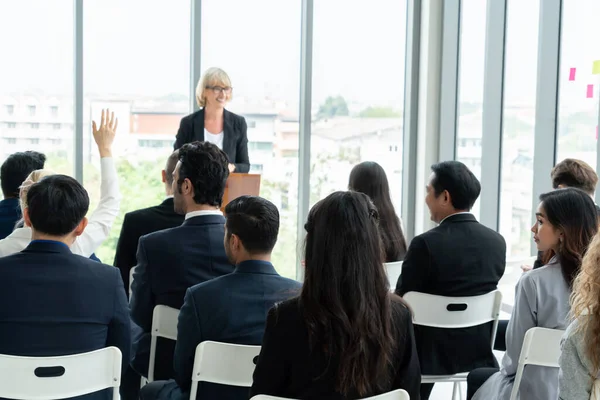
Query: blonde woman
[
  {"x": 213, "y": 123},
  {"x": 102, "y": 218},
  {"x": 580, "y": 357}
]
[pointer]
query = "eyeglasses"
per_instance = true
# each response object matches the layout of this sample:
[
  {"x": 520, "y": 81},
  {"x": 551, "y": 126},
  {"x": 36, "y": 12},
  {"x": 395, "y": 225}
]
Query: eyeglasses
[{"x": 219, "y": 89}]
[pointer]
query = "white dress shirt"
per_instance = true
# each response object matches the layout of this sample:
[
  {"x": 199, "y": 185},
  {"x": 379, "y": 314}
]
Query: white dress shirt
[
  {"x": 193, "y": 214},
  {"x": 99, "y": 223}
]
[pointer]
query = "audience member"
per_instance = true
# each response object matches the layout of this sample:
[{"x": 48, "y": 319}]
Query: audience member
[
  {"x": 346, "y": 336},
  {"x": 172, "y": 260},
  {"x": 580, "y": 357},
  {"x": 460, "y": 257},
  {"x": 13, "y": 172},
  {"x": 141, "y": 222},
  {"x": 566, "y": 222},
  {"x": 101, "y": 220},
  {"x": 239, "y": 317},
  {"x": 369, "y": 178},
  {"x": 54, "y": 302}
]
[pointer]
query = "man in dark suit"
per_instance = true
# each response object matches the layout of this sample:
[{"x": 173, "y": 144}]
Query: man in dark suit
[
  {"x": 172, "y": 260},
  {"x": 13, "y": 172},
  {"x": 460, "y": 257},
  {"x": 239, "y": 316},
  {"x": 54, "y": 302},
  {"x": 141, "y": 222}
]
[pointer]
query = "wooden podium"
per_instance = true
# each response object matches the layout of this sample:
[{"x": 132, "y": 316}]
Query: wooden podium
[{"x": 239, "y": 185}]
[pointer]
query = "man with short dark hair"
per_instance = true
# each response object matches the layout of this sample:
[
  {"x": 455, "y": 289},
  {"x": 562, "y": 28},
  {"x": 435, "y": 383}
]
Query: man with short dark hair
[
  {"x": 142, "y": 222},
  {"x": 239, "y": 316},
  {"x": 54, "y": 302},
  {"x": 574, "y": 173},
  {"x": 13, "y": 172},
  {"x": 172, "y": 260},
  {"x": 459, "y": 257}
]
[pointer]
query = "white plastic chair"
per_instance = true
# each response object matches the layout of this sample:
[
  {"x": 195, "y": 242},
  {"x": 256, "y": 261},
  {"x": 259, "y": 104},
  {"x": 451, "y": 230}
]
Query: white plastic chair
[
  {"x": 398, "y": 394},
  {"x": 65, "y": 376},
  {"x": 541, "y": 346},
  {"x": 223, "y": 363},
  {"x": 430, "y": 310},
  {"x": 393, "y": 270},
  {"x": 164, "y": 324}
]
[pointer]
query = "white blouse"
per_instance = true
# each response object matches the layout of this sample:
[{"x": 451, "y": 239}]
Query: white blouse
[
  {"x": 214, "y": 139},
  {"x": 99, "y": 223}
]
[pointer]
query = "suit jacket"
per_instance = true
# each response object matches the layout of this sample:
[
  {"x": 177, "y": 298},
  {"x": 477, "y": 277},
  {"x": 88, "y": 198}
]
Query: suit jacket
[
  {"x": 57, "y": 303},
  {"x": 460, "y": 257},
  {"x": 235, "y": 136},
  {"x": 169, "y": 262},
  {"x": 287, "y": 367},
  {"x": 137, "y": 224},
  {"x": 230, "y": 309},
  {"x": 10, "y": 213}
]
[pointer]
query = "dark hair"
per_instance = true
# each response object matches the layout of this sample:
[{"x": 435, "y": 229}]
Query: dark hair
[
  {"x": 459, "y": 181},
  {"x": 574, "y": 173},
  {"x": 56, "y": 205},
  {"x": 207, "y": 168},
  {"x": 573, "y": 211},
  {"x": 345, "y": 298},
  {"x": 255, "y": 221},
  {"x": 369, "y": 178},
  {"x": 170, "y": 166},
  {"x": 16, "y": 168}
]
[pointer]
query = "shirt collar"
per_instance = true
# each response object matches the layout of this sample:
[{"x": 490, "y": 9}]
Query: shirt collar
[
  {"x": 451, "y": 215},
  {"x": 56, "y": 242},
  {"x": 193, "y": 214}
]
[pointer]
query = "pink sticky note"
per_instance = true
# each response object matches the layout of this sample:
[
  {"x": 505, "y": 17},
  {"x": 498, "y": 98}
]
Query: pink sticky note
[
  {"x": 572, "y": 74},
  {"x": 590, "y": 91}
]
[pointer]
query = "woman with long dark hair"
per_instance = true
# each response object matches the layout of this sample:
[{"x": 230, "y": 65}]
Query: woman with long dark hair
[
  {"x": 369, "y": 178},
  {"x": 346, "y": 336},
  {"x": 566, "y": 222}
]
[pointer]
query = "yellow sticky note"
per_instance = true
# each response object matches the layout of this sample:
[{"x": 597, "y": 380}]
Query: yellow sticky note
[{"x": 596, "y": 68}]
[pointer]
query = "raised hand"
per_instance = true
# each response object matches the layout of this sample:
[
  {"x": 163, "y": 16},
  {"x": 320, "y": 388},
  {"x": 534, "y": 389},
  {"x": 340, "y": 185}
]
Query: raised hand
[{"x": 105, "y": 135}]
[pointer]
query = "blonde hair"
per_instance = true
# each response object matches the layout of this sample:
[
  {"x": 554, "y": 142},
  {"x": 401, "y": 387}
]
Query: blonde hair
[
  {"x": 32, "y": 178},
  {"x": 585, "y": 302},
  {"x": 212, "y": 77}
]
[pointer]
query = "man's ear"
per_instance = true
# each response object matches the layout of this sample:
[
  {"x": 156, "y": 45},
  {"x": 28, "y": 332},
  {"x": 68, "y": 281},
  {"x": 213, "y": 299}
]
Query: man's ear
[
  {"x": 164, "y": 176},
  {"x": 81, "y": 227},
  {"x": 26, "y": 218}
]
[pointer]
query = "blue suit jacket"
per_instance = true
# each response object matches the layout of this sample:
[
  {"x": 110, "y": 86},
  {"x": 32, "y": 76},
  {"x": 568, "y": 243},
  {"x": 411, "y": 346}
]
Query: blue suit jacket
[
  {"x": 169, "y": 262},
  {"x": 10, "y": 213},
  {"x": 230, "y": 309},
  {"x": 57, "y": 303}
]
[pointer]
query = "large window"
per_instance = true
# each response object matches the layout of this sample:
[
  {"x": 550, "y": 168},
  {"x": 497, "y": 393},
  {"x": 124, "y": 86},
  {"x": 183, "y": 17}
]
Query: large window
[
  {"x": 470, "y": 90},
  {"x": 136, "y": 62},
  {"x": 358, "y": 92},
  {"x": 519, "y": 126},
  {"x": 258, "y": 45},
  {"x": 36, "y": 74},
  {"x": 579, "y": 87}
]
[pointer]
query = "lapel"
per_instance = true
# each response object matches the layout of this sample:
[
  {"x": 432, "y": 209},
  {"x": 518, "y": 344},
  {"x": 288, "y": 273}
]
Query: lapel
[
  {"x": 228, "y": 134},
  {"x": 199, "y": 126}
]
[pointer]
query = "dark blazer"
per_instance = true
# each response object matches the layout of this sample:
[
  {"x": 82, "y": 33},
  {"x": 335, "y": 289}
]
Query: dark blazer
[
  {"x": 169, "y": 262},
  {"x": 288, "y": 368},
  {"x": 230, "y": 309},
  {"x": 235, "y": 136},
  {"x": 137, "y": 224},
  {"x": 460, "y": 257},
  {"x": 57, "y": 303},
  {"x": 10, "y": 213}
]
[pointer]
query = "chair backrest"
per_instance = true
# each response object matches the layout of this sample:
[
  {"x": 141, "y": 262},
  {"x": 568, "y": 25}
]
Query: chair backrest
[
  {"x": 223, "y": 363},
  {"x": 164, "y": 324},
  {"x": 541, "y": 346},
  {"x": 393, "y": 270},
  {"x": 44, "y": 378},
  {"x": 455, "y": 312},
  {"x": 398, "y": 394}
]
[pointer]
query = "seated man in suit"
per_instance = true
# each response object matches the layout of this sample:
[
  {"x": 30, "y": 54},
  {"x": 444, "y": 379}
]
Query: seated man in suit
[
  {"x": 172, "y": 260},
  {"x": 13, "y": 172},
  {"x": 232, "y": 308},
  {"x": 141, "y": 222},
  {"x": 55, "y": 302},
  {"x": 460, "y": 257}
]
